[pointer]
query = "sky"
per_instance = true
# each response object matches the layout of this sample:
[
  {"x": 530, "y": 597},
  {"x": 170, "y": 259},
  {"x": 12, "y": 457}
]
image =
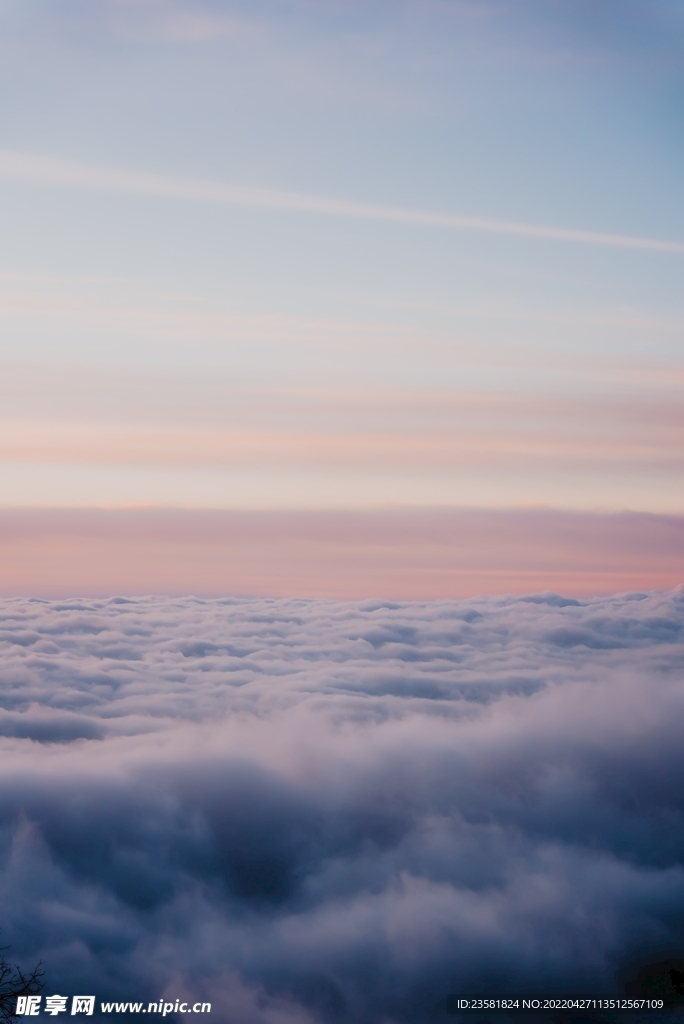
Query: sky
[
  {"x": 337, "y": 341},
  {"x": 319, "y": 812},
  {"x": 339, "y": 257}
]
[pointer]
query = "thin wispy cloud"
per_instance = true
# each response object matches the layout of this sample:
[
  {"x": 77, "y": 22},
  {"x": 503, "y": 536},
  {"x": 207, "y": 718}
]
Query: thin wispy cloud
[
  {"x": 45, "y": 170},
  {"x": 447, "y": 430}
]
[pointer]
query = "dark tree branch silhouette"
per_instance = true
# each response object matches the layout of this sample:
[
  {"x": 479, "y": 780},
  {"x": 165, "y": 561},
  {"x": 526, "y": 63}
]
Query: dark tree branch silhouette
[{"x": 14, "y": 983}]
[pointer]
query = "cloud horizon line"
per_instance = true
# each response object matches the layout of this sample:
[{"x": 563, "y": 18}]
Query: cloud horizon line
[{"x": 47, "y": 170}]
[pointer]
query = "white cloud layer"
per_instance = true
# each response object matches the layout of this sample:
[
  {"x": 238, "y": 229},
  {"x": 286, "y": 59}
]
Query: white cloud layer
[{"x": 312, "y": 811}]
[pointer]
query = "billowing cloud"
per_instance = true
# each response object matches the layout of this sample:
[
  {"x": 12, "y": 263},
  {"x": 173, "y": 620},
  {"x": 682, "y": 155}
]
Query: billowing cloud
[{"x": 313, "y": 811}]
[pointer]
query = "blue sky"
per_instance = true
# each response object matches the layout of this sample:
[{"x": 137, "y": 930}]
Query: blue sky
[{"x": 561, "y": 115}]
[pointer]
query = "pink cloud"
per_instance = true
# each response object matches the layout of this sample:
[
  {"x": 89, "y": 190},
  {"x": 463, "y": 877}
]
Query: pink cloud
[{"x": 392, "y": 553}]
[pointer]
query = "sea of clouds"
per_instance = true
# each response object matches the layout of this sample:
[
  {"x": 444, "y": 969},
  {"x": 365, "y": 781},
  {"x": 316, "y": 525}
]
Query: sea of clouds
[{"x": 312, "y": 811}]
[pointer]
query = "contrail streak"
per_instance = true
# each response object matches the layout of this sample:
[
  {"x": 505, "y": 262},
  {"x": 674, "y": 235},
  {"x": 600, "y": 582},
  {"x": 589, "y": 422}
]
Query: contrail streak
[{"x": 52, "y": 171}]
